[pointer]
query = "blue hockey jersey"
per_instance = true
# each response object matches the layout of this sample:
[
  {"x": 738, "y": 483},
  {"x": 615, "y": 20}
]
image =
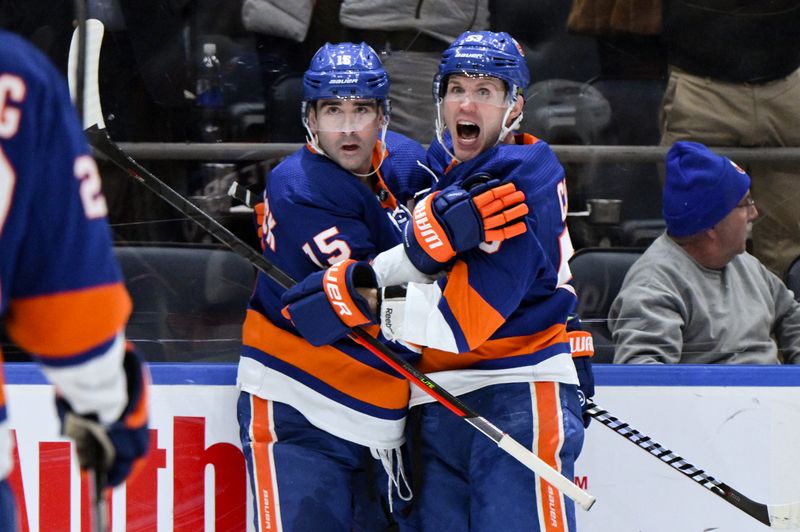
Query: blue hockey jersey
[
  {"x": 500, "y": 313},
  {"x": 61, "y": 291},
  {"x": 317, "y": 214}
]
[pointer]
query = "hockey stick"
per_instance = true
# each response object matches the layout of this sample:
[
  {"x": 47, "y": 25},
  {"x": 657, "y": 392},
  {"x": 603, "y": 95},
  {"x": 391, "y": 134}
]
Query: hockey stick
[
  {"x": 102, "y": 142},
  {"x": 96, "y": 474},
  {"x": 774, "y": 515}
]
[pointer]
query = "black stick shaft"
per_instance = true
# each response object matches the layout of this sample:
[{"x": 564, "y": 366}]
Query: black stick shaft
[{"x": 756, "y": 510}]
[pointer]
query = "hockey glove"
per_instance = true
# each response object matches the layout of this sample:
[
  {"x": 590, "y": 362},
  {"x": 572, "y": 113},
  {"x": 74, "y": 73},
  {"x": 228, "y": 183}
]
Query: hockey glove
[
  {"x": 460, "y": 217},
  {"x": 325, "y": 305},
  {"x": 112, "y": 450},
  {"x": 391, "y": 309},
  {"x": 582, "y": 346}
]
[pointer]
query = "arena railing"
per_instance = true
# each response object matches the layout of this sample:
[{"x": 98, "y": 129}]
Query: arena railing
[{"x": 238, "y": 151}]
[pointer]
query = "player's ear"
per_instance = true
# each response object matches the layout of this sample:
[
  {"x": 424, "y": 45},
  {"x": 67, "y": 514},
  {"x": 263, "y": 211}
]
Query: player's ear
[
  {"x": 516, "y": 110},
  {"x": 312, "y": 116}
]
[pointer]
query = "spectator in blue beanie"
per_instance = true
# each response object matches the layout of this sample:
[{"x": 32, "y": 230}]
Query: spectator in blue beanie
[{"x": 696, "y": 296}]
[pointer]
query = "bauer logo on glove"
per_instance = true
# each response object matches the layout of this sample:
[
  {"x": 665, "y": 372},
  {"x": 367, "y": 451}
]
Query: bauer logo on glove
[
  {"x": 326, "y": 305},
  {"x": 336, "y": 288}
]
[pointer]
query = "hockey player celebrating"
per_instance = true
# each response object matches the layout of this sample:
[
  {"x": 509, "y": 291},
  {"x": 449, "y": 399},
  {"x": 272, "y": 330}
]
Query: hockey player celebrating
[
  {"x": 311, "y": 414},
  {"x": 61, "y": 291},
  {"x": 494, "y": 327}
]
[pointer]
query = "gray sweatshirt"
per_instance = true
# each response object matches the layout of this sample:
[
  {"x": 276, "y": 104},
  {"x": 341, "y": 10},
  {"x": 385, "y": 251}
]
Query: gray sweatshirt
[{"x": 672, "y": 310}]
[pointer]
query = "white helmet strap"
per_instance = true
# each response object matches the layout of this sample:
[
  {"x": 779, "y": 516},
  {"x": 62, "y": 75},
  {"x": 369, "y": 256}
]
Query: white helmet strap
[{"x": 505, "y": 130}]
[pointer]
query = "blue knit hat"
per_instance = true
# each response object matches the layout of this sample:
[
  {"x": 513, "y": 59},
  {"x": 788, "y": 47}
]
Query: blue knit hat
[{"x": 700, "y": 188}]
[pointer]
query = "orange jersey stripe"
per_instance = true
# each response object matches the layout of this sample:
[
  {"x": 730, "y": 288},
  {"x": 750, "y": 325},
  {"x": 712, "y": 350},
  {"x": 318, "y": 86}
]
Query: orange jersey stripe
[
  {"x": 63, "y": 324},
  {"x": 326, "y": 363},
  {"x": 549, "y": 439},
  {"x": 525, "y": 138},
  {"x": 437, "y": 360},
  {"x": 263, "y": 463},
  {"x": 477, "y": 319}
]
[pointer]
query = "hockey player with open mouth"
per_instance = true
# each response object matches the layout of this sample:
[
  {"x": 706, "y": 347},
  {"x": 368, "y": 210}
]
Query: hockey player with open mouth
[
  {"x": 312, "y": 416},
  {"x": 494, "y": 327}
]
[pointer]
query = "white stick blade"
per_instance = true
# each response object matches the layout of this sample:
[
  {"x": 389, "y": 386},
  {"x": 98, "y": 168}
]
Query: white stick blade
[
  {"x": 784, "y": 516},
  {"x": 92, "y": 112}
]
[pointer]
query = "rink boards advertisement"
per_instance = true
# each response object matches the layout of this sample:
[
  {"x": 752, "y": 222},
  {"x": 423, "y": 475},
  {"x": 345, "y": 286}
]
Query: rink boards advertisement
[{"x": 739, "y": 424}]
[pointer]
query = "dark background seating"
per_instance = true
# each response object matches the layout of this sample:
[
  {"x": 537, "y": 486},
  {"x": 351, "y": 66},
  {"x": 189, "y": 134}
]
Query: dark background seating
[
  {"x": 188, "y": 302},
  {"x": 634, "y": 122},
  {"x": 597, "y": 275},
  {"x": 792, "y": 278}
]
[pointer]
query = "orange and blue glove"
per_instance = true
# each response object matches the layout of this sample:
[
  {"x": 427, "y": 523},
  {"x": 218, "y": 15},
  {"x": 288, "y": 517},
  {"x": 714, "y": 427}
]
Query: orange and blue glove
[
  {"x": 582, "y": 347},
  {"x": 461, "y": 216},
  {"x": 326, "y": 305}
]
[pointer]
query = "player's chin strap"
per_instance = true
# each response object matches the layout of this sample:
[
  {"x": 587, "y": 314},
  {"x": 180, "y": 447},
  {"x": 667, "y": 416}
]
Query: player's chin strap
[
  {"x": 505, "y": 130},
  {"x": 311, "y": 138},
  {"x": 384, "y": 126},
  {"x": 514, "y": 93},
  {"x": 396, "y": 480}
]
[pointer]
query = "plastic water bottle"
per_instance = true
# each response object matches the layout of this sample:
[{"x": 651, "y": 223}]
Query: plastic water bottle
[{"x": 211, "y": 123}]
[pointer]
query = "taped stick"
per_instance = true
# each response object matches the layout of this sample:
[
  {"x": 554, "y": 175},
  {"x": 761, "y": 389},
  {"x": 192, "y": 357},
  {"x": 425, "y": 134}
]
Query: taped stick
[{"x": 781, "y": 516}]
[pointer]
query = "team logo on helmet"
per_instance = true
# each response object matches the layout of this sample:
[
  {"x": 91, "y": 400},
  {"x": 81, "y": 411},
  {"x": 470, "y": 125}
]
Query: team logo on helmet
[
  {"x": 519, "y": 47},
  {"x": 738, "y": 168}
]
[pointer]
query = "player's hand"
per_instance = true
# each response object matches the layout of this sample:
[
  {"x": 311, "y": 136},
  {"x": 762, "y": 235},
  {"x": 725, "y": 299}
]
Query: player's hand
[
  {"x": 460, "y": 217},
  {"x": 325, "y": 305},
  {"x": 582, "y": 348},
  {"x": 114, "y": 449}
]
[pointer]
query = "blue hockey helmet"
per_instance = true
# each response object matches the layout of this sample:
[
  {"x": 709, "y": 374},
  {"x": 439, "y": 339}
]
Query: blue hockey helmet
[
  {"x": 484, "y": 53},
  {"x": 345, "y": 70}
]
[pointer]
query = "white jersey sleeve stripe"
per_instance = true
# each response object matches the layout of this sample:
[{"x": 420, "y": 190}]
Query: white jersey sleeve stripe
[{"x": 96, "y": 386}]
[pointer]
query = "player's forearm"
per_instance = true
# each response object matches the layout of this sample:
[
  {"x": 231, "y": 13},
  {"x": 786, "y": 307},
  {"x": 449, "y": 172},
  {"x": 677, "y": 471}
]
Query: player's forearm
[{"x": 96, "y": 386}]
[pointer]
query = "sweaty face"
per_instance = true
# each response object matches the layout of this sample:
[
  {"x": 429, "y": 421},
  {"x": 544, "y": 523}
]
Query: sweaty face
[
  {"x": 473, "y": 110},
  {"x": 346, "y": 130}
]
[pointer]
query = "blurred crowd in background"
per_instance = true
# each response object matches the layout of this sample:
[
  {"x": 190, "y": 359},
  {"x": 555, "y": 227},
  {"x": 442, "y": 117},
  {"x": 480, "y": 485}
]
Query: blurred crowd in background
[{"x": 603, "y": 73}]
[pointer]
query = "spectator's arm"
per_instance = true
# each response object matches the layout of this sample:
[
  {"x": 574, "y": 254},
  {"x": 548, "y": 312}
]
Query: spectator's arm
[
  {"x": 786, "y": 328},
  {"x": 646, "y": 323}
]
